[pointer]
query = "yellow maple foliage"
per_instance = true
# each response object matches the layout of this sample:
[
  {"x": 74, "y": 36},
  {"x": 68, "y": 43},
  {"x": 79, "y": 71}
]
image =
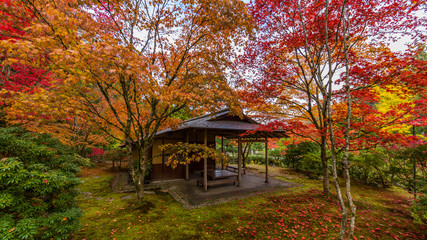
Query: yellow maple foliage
[{"x": 392, "y": 101}]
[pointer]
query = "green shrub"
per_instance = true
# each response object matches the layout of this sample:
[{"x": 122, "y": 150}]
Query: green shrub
[
  {"x": 304, "y": 157},
  {"x": 419, "y": 206},
  {"x": 115, "y": 156},
  {"x": 276, "y": 156},
  {"x": 260, "y": 159},
  {"x": 256, "y": 159},
  {"x": 371, "y": 168},
  {"x": 311, "y": 165},
  {"x": 295, "y": 153},
  {"x": 385, "y": 167},
  {"x": 37, "y": 182}
]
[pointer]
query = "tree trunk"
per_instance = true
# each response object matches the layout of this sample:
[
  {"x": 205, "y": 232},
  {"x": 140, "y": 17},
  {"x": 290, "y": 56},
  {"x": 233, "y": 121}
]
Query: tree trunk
[
  {"x": 138, "y": 180},
  {"x": 325, "y": 169},
  {"x": 137, "y": 167},
  {"x": 139, "y": 174},
  {"x": 246, "y": 153},
  {"x": 344, "y": 211},
  {"x": 345, "y": 162},
  {"x": 131, "y": 166},
  {"x": 349, "y": 198}
]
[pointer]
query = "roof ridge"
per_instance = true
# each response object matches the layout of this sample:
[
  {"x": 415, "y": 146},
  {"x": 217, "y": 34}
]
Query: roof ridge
[{"x": 206, "y": 115}]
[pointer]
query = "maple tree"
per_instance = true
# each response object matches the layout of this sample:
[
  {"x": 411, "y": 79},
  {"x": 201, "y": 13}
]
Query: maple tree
[
  {"x": 310, "y": 55},
  {"x": 31, "y": 96},
  {"x": 51, "y": 111},
  {"x": 389, "y": 98},
  {"x": 185, "y": 153},
  {"x": 16, "y": 77},
  {"x": 143, "y": 61}
]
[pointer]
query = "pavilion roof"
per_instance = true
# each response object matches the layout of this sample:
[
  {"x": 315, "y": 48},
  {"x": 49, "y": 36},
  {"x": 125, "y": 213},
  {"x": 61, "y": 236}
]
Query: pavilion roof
[{"x": 226, "y": 124}]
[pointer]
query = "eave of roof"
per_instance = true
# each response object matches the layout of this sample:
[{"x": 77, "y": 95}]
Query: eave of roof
[{"x": 214, "y": 122}]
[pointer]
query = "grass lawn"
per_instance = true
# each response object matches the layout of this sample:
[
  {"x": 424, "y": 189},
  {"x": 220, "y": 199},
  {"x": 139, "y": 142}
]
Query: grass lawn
[{"x": 296, "y": 213}]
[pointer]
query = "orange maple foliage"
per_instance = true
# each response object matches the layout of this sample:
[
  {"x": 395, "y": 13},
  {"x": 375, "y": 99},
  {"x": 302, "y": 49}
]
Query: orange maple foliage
[
  {"x": 33, "y": 96},
  {"x": 135, "y": 64}
]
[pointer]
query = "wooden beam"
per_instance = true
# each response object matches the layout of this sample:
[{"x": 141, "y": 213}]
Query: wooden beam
[
  {"x": 175, "y": 138},
  {"x": 266, "y": 160},
  {"x": 163, "y": 161},
  {"x": 239, "y": 161},
  {"x": 253, "y": 140},
  {"x": 205, "y": 164},
  {"x": 187, "y": 166},
  {"x": 222, "y": 151}
]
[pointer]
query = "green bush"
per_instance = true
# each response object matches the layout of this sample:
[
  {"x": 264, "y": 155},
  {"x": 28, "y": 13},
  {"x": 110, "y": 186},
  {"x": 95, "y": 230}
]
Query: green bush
[
  {"x": 372, "y": 168},
  {"x": 260, "y": 159},
  {"x": 311, "y": 165},
  {"x": 256, "y": 159},
  {"x": 115, "y": 156},
  {"x": 419, "y": 206},
  {"x": 37, "y": 182},
  {"x": 404, "y": 165},
  {"x": 295, "y": 153},
  {"x": 385, "y": 167},
  {"x": 276, "y": 156},
  {"x": 304, "y": 157}
]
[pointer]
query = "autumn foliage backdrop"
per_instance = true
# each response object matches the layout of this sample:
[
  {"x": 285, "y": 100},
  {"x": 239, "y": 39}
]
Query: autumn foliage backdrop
[{"x": 99, "y": 73}]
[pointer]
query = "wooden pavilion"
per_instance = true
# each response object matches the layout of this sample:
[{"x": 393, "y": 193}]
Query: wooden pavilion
[{"x": 204, "y": 130}]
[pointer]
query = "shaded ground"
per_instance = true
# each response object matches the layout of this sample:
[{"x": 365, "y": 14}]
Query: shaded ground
[
  {"x": 192, "y": 196},
  {"x": 296, "y": 213}
]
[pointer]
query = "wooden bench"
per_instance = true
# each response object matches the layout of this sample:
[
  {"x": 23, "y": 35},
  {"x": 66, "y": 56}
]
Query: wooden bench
[
  {"x": 216, "y": 182},
  {"x": 235, "y": 169},
  {"x": 201, "y": 171}
]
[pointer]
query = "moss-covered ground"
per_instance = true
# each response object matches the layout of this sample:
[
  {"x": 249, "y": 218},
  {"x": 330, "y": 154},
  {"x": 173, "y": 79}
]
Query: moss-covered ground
[{"x": 296, "y": 213}]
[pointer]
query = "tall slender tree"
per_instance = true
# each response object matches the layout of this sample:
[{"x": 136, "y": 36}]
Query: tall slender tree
[{"x": 310, "y": 55}]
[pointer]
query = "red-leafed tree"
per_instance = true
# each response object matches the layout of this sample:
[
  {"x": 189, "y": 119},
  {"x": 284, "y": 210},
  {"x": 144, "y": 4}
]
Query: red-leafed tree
[
  {"x": 16, "y": 77},
  {"x": 29, "y": 94},
  {"x": 309, "y": 55}
]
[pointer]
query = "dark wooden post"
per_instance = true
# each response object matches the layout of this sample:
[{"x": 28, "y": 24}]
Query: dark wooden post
[
  {"x": 187, "y": 166},
  {"x": 266, "y": 158},
  {"x": 163, "y": 160},
  {"x": 222, "y": 151},
  {"x": 205, "y": 164},
  {"x": 239, "y": 161}
]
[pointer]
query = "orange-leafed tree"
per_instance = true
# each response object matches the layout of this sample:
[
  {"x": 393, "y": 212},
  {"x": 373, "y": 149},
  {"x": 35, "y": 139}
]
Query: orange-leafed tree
[
  {"x": 15, "y": 77},
  {"x": 33, "y": 97},
  {"x": 143, "y": 61}
]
